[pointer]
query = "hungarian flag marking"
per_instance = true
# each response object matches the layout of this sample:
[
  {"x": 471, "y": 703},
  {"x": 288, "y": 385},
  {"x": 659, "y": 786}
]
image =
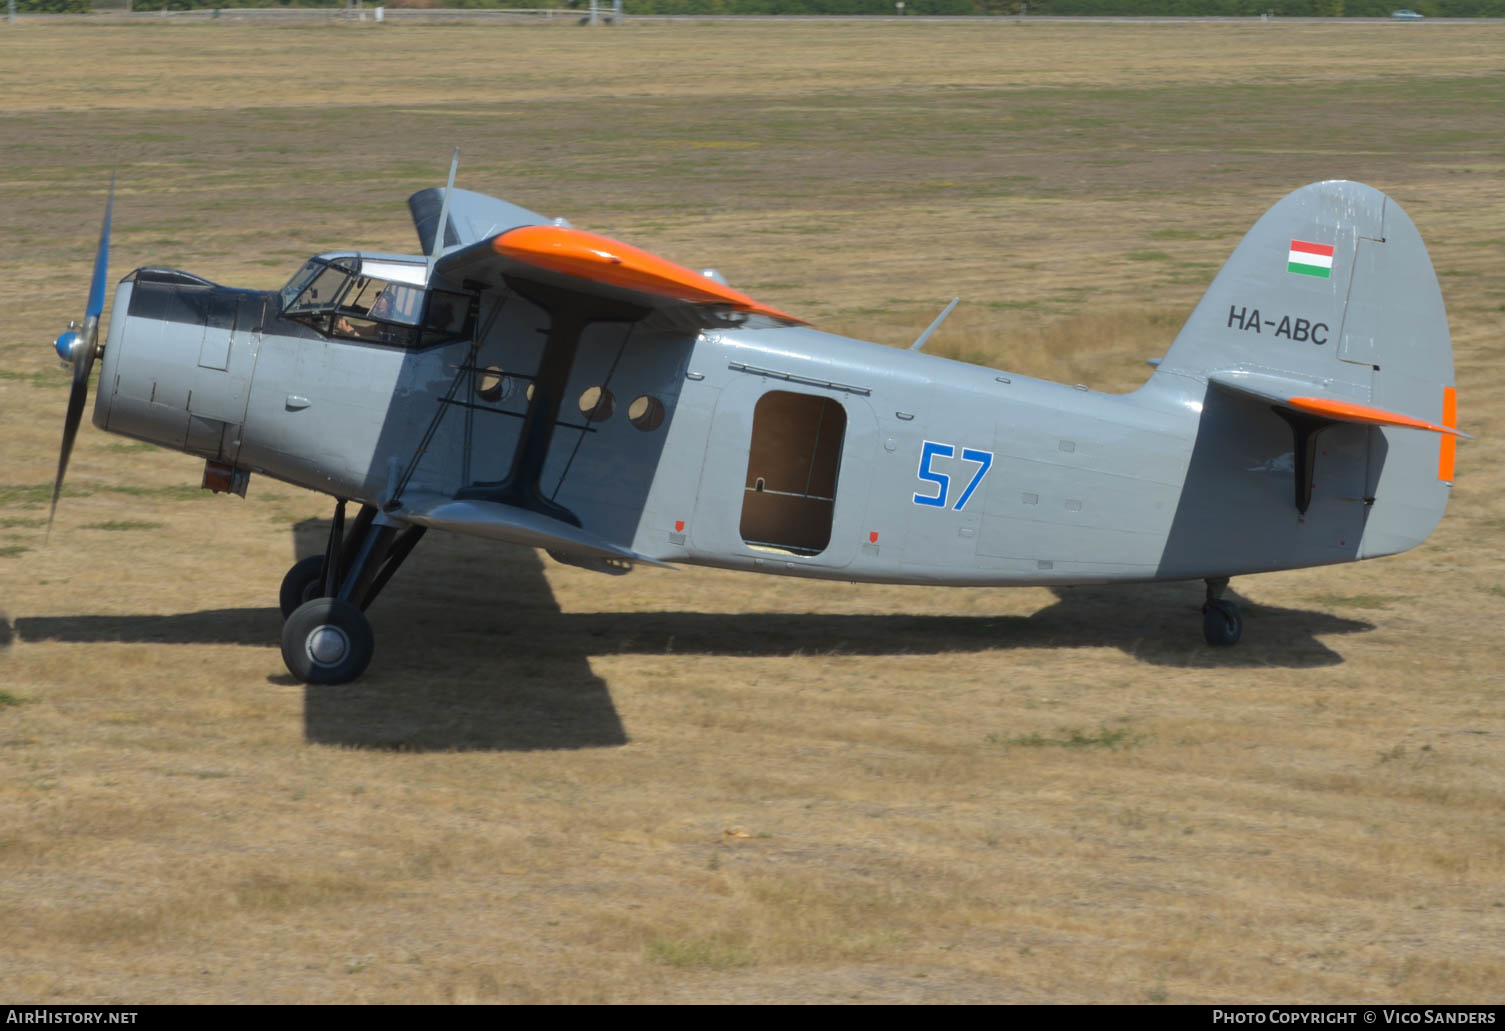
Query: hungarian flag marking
[{"x": 1310, "y": 259}]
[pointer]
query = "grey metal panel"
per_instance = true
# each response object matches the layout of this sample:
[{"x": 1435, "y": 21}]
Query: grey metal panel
[
  {"x": 214, "y": 352},
  {"x": 669, "y": 516},
  {"x": 204, "y": 436}
]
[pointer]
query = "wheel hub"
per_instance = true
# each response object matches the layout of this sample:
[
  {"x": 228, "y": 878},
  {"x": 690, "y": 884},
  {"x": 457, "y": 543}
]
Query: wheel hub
[{"x": 327, "y": 645}]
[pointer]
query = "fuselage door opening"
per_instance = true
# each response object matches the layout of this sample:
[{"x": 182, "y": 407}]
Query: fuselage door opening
[{"x": 793, "y": 463}]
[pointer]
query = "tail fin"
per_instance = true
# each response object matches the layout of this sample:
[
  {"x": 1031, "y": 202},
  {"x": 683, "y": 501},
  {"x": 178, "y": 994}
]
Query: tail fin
[{"x": 1329, "y": 314}]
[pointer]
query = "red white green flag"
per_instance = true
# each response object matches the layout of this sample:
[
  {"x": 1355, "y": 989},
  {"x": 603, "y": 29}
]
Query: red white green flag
[{"x": 1310, "y": 259}]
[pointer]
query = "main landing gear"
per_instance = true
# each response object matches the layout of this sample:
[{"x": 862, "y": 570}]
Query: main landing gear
[
  {"x": 1221, "y": 623},
  {"x": 326, "y": 638}
]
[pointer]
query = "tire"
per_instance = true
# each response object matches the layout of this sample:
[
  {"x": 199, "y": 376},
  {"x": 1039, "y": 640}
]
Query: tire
[
  {"x": 304, "y": 582},
  {"x": 327, "y": 641},
  {"x": 1222, "y": 625}
]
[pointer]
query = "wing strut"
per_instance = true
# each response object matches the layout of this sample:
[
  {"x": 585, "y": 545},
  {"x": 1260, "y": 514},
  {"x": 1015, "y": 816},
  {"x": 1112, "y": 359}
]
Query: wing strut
[
  {"x": 570, "y": 312},
  {"x": 439, "y": 232},
  {"x": 924, "y": 337}
]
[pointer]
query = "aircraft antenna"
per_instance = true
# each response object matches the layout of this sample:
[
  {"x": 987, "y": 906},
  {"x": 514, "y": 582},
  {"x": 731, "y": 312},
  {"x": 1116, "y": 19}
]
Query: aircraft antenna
[
  {"x": 925, "y": 336},
  {"x": 442, "y": 227}
]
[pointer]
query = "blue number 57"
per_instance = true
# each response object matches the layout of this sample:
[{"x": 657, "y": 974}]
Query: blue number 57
[{"x": 932, "y": 450}]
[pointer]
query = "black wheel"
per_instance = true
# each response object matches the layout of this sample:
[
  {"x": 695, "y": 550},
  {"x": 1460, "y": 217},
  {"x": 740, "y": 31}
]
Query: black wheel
[
  {"x": 327, "y": 641},
  {"x": 1221, "y": 623},
  {"x": 304, "y": 582}
]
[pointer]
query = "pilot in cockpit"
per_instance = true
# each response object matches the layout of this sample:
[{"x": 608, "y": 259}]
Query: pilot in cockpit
[{"x": 384, "y": 307}]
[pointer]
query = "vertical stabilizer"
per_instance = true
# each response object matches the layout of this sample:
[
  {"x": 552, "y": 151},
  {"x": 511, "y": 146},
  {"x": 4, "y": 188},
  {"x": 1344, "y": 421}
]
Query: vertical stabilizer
[{"x": 1327, "y": 317}]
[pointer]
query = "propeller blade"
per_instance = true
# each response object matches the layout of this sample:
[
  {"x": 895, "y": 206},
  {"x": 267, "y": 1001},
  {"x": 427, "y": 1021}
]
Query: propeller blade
[
  {"x": 76, "y": 398},
  {"x": 101, "y": 258},
  {"x": 83, "y": 355}
]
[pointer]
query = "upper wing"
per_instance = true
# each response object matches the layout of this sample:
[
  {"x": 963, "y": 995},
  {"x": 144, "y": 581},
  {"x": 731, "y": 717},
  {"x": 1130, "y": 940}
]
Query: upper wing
[
  {"x": 596, "y": 266},
  {"x": 472, "y": 217}
]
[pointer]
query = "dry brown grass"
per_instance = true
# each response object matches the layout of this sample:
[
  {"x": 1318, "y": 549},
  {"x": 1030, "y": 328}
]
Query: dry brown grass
[{"x": 700, "y": 786}]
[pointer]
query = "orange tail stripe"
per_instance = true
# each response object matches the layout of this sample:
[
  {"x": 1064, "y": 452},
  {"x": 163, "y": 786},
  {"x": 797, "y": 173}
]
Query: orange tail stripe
[
  {"x": 1449, "y": 452},
  {"x": 573, "y": 252},
  {"x": 1351, "y": 412}
]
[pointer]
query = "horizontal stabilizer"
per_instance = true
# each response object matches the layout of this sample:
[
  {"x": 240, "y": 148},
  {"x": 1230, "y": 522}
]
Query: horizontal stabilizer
[
  {"x": 1305, "y": 395},
  {"x": 515, "y": 525},
  {"x": 1347, "y": 411}
]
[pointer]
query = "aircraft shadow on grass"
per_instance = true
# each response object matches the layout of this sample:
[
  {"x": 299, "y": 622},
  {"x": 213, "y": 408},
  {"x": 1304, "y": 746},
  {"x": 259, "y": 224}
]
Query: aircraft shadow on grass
[{"x": 476, "y": 653}]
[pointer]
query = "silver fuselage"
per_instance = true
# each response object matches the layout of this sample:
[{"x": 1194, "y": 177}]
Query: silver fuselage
[{"x": 881, "y": 465}]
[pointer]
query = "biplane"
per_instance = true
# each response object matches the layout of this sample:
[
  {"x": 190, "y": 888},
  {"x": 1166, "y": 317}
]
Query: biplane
[{"x": 530, "y": 382}]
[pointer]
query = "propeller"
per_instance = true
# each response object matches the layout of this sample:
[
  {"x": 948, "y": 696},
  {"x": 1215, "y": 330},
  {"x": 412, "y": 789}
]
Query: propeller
[{"x": 78, "y": 347}]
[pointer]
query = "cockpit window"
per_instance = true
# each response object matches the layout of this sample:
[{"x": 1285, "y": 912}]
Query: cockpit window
[
  {"x": 333, "y": 297},
  {"x": 299, "y": 281},
  {"x": 321, "y": 283}
]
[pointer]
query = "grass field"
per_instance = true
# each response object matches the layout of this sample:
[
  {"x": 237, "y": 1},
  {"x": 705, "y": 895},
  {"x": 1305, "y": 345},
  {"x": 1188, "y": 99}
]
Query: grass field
[{"x": 692, "y": 786}]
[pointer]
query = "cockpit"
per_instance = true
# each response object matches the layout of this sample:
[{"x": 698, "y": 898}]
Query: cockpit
[{"x": 376, "y": 300}]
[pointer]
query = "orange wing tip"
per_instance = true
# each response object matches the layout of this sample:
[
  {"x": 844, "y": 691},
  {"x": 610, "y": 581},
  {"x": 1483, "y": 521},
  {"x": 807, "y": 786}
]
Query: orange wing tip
[
  {"x": 1348, "y": 411},
  {"x": 573, "y": 252}
]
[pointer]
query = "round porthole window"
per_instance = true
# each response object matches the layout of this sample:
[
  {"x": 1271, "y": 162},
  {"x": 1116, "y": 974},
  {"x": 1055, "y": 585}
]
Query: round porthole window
[
  {"x": 597, "y": 404},
  {"x": 492, "y": 384},
  {"x": 646, "y": 413}
]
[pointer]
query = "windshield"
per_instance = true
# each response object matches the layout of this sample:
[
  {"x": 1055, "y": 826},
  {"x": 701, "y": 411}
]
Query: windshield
[
  {"x": 299, "y": 281},
  {"x": 317, "y": 287}
]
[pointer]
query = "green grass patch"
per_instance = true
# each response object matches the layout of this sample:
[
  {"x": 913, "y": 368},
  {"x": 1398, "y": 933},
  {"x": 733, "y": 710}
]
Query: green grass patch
[
  {"x": 8, "y": 699},
  {"x": 12, "y": 550},
  {"x": 34, "y": 493},
  {"x": 29, "y": 524},
  {"x": 1147, "y": 256},
  {"x": 122, "y": 524},
  {"x": 40, "y": 378}
]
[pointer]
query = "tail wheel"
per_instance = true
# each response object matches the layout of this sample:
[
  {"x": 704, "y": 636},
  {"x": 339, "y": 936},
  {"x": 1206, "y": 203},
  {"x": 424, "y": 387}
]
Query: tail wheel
[
  {"x": 1222, "y": 625},
  {"x": 327, "y": 641}
]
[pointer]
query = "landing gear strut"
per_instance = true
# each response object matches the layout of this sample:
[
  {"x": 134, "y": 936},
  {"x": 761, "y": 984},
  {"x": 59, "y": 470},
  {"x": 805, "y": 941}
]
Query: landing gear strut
[
  {"x": 326, "y": 638},
  {"x": 1221, "y": 623}
]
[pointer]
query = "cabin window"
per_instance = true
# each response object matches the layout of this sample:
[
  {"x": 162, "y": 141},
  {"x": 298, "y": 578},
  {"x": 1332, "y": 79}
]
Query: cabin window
[
  {"x": 789, "y": 496},
  {"x": 450, "y": 316}
]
